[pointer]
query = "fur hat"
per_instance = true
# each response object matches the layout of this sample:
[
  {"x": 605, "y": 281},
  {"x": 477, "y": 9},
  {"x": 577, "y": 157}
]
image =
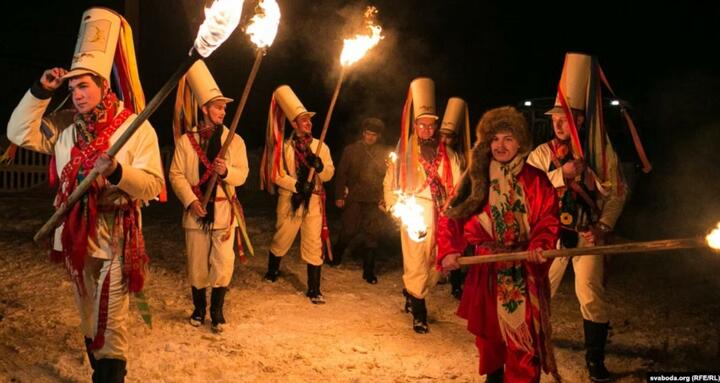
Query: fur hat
[{"x": 472, "y": 189}]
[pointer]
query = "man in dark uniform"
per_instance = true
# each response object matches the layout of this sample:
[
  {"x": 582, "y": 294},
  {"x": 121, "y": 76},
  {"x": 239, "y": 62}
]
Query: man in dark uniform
[{"x": 358, "y": 190}]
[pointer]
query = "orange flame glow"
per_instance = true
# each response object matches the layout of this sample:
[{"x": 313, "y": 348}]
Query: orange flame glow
[
  {"x": 392, "y": 157},
  {"x": 263, "y": 26},
  {"x": 713, "y": 239},
  {"x": 410, "y": 214},
  {"x": 221, "y": 19},
  {"x": 354, "y": 49}
]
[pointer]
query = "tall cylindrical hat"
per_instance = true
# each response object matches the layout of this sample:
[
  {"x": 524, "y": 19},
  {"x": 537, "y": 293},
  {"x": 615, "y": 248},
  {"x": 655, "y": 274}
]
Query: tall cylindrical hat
[
  {"x": 574, "y": 82},
  {"x": 96, "y": 43},
  {"x": 454, "y": 116},
  {"x": 290, "y": 103},
  {"x": 423, "y": 97},
  {"x": 203, "y": 85}
]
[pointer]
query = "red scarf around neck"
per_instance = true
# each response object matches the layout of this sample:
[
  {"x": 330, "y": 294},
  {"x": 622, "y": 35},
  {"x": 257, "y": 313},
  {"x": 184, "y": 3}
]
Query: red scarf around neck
[{"x": 93, "y": 132}]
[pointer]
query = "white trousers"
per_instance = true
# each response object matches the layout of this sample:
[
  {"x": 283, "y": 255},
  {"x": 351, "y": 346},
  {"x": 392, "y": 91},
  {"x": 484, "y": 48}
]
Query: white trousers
[
  {"x": 310, "y": 227},
  {"x": 210, "y": 258},
  {"x": 419, "y": 257},
  {"x": 95, "y": 273},
  {"x": 589, "y": 288}
]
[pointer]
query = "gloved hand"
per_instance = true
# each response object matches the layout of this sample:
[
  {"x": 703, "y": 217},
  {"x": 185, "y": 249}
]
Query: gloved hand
[
  {"x": 315, "y": 162},
  {"x": 303, "y": 187}
]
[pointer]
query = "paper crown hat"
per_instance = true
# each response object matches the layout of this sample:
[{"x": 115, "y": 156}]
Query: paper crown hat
[
  {"x": 574, "y": 82},
  {"x": 422, "y": 91},
  {"x": 203, "y": 85},
  {"x": 454, "y": 116},
  {"x": 290, "y": 103},
  {"x": 96, "y": 43}
]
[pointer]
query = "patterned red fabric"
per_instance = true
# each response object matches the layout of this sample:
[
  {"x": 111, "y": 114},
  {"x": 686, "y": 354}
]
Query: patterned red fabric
[
  {"x": 479, "y": 304},
  {"x": 92, "y": 140},
  {"x": 208, "y": 166},
  {"x": 99, "y": 340}
]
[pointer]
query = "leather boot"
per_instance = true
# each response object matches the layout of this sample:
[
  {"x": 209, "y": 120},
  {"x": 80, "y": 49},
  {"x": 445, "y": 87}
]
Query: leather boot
[
  {"x": 200, "y": 303},
  {"x": 109, "y": 371},
  {"x": 408, "y": 301},
  {"x": 338, "y": 251},
  {"x": 595, "y": 339},
  {"x": 217, "y": 319},
  {"x": 273, "y": 267},
  {"x": 313, "y": 277},
  {"x": 419, "y": 313},
  {"x": 369, "y": 267}
]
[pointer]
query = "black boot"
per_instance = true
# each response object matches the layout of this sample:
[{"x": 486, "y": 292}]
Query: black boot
[
  {"x": 313, "y": 277},
  {"x": 456, "y": 281},
  {"x": 369, "y": 267},
  {"x": 273, "y": 267},
  {"x": 217, "y": 319},
  {"x": 338, "y": 251},
  {"x": 408, "y": 301},
  {"x": 109, "y": 371},
  {"x": 595, "y": 339},
  {"x": 495, "y": 376},
  {"x": 419, "y": 313},
  {"x": 199, "y": 302}
]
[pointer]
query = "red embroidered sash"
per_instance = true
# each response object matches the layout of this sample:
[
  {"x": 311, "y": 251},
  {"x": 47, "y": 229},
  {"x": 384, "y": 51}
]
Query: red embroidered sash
[
  {"x": 208, "y": 166},
  {"x": 80, "y": 223}
]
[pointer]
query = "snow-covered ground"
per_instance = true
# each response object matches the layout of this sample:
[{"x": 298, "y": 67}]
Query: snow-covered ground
[{"x": 665, "y": 316}]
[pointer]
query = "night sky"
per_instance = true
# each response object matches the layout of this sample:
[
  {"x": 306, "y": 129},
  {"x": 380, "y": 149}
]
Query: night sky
[{"x": 662, "y": 61}]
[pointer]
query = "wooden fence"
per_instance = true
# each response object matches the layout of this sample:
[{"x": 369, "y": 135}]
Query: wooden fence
[{"x": 29, "y": 170}]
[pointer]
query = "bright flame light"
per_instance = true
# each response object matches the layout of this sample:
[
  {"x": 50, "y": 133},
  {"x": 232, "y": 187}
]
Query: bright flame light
[
  {"x": 354, "y": 49},
  {"x": 263, "y": 26},
  {"x": 393, "y": 157},
  {"x": 410, "y": 214},
  {"x": 713, "y": 239},
  {"x": 221, "y": 19}
]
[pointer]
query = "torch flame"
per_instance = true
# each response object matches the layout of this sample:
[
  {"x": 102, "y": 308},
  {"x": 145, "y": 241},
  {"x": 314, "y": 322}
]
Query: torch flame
[
  {"x": 263, "y": 26},
  {"x": 713, "y": 239},
  {"x": 221, "y": 19},
  {"x": 354, "y": 49},
  {"x": 393, "y": 157},
  {"x": 411, "y": 216}
]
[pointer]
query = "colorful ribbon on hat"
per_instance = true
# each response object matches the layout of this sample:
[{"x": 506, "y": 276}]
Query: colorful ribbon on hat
[
  {"x": 270, "y": 167},
  {"x": 647, "y": 167},
  {"x": 126, "y": 75},
  {"x": 185, "y": 114},
  {"x": 600, "y": 154},
  {"x": 407, "y": 174}
]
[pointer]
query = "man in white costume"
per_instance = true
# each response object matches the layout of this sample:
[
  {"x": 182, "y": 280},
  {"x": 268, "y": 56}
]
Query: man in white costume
[
  {"x": 100, "y": 240},
  {"x": 210, "y": 231}
]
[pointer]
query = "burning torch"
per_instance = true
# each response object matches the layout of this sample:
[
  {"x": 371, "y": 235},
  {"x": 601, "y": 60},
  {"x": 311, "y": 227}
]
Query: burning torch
[
  {"x": 408, "y": 211},
  {"x": 221, "y": 19},
  {"x": 353, "y": 50},
  {"x": 262, "y": 30},
  {"x": 712, "y": 240}
]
